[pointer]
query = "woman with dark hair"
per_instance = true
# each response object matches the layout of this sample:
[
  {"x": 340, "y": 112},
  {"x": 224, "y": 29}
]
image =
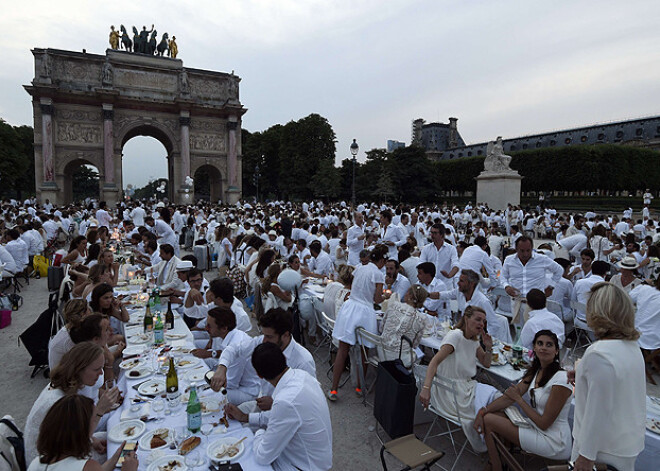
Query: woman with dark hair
[
  {"x": 77, "y": 251},
  {"x": 93, "y": 253},
  {"x": 64, "y": 441},
  {"x": 456, "y": 361},
  {"x": 543, "y": 395},
  {"x": 80, "y": 367},
  {"x": 104, "y": 236},
  {"x": 257, "y": 269},
  {"x": 358, "y": 311},
  {"x": 104, "y": 301}
]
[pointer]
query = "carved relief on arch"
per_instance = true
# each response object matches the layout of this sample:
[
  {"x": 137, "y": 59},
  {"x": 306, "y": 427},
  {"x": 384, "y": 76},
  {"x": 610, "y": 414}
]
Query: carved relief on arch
[
  {"x": 79, "y": 133},
  {"x": 64, "y": 159}
]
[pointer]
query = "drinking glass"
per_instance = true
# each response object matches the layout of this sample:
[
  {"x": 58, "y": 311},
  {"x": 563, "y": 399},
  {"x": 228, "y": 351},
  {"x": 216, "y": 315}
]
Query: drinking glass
[
  {"x": 110, "y": 384},
  {"x": 158, "y": 406},
  {"x": 180, "y": 434},
  {"x": 206, "y": 429},
  {"x": 193, "y": 459}
]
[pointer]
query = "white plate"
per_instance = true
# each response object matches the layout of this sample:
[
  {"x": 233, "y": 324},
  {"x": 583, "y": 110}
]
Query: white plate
[
  {"x": 133, "y": 350},
  {"x": 131, "y": 363},
  {"x": 139, "y": 338},
  {"x": 175, "y": 336},
  {"x": 152, "y": 387},
  {"x": 214, "y": 448},
  {"x": 145, "y": 441},
  {"x": 197, "y": 375},
  {"x": 165, "y": 460},
  {"x": 653, "y": 425},
  {"x": 209, "y": 406},
  {"x": 143, "y": 372},
  {"x": 129, "y": 430},
  {"x": 188, "y": 362},
  {"x": 181, "y": 348}
]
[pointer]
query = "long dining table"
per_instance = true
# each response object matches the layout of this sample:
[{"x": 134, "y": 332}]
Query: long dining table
[{"x": 145, "y": 386}]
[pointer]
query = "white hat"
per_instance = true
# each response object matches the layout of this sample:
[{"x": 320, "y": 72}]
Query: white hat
[
  {"x": 628, "y": 263},
  {"x": 184, "y": 265},
  {"x": 160, "y": 204},
  {"x": 272, "y": 233}
]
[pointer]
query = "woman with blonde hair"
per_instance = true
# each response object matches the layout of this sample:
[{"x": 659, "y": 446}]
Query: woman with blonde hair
[
  {"x": 74, "y": 311},
  {"x": 456, "y": 360},
  {"x": 404, "y": 318},
  {"x": 64, "y": 441},
  {"x": 81, "y": 366},
  {"x": 610, "y": 386}
]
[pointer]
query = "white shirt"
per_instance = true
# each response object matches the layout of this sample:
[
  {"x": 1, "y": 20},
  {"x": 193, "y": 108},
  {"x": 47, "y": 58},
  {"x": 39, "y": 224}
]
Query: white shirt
[
  {"x": 400, "y": 286},
  {"x": 435, "y": 286},
  {"x": 240, "y": 373},
  {"x": 354, "y": 245},
  {"x": 474, "y": 258},
  {"x": 610, "y": 400},
  {"x": 532, "y": 274},
  {"x": 10, "y": 267},
  {"x": 365, "y": 278},
  {"x": 647, "y": 317},
  {"x": 321, "y": 264},
  {"x": 393, "y": 234},
  {"x": 19, "y": 250},
  {"x": 409, "y": 265},
  {"x": 445, "y": 258},
  {"x": 137, "y": 216},
  {"x": 165, "y": 234},
  {"x": 103, "y": 217},
  {"x": 541, "y": 319},
  {"x": 581, "y": 292},
  {"x": 299, "y": 433}
]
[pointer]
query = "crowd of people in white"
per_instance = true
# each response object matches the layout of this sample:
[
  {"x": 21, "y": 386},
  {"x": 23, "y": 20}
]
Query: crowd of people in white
[{"x": 537, "y": 261}]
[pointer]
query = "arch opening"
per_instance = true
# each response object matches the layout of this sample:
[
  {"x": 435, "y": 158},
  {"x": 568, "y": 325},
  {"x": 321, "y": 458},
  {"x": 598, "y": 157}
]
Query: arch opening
[
  {"x": 81, "y": 181},
  {"x": 146, "y": 164},
  {"x": 208, "y": 184}
]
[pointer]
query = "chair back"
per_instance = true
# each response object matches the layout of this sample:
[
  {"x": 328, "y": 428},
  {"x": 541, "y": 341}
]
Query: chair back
[
  {"x": 501, "y": 300},
  {"x": 446, "y": 386},
  {"x": 361, "y": 335},
  {"x": 555, "y": 308},
  {"x": 578, "y": 307},
  {"x": 505, "y": 456},
  {"x": 325, "y": 323}
]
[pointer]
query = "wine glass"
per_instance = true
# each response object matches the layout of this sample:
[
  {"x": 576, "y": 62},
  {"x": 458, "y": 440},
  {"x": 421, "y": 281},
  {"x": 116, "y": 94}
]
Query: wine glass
[
  {"x": 193, "y": 459},
  {"x": 158, "y": 406},
  {"x": 181, "y": 434},
  {"x": 206, "y": 430}
]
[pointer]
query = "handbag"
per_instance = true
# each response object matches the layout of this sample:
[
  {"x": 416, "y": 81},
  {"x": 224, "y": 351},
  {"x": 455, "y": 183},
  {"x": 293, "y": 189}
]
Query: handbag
[{"x": 395, "y": 393}]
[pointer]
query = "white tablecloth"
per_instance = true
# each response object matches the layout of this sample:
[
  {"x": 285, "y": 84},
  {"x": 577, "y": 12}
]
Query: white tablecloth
[{"x": 178, "y": 417}]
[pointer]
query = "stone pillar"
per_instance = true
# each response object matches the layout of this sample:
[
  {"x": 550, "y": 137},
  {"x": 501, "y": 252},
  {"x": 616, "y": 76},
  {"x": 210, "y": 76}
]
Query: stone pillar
[
  {"x": 184, "y": 122},
  {"x": 47, "y": 140},
  {"x": 232, "y": 125},
  {"x": 108, "y": 145}
]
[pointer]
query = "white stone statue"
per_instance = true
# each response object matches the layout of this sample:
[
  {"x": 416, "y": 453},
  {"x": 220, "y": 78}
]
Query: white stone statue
[{"x": 496, "y": 160}]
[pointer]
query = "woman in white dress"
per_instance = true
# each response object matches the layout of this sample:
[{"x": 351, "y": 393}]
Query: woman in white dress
[
  {"x": 64, "y": 439},
  {"x": 358, "y": 311},
  {"x": 543, "y": 395},
  {"x": 74, "y": 311},
  {"x": 610, "y": 385},
  {"x": 77, "y": 251},
  {"x": 457, "y": 361},
  {"x": 81, "y": 366}
]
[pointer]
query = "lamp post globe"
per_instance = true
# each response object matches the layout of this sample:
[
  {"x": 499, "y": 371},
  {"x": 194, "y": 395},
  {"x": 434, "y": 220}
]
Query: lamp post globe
[{"x": 354, "y": 151}]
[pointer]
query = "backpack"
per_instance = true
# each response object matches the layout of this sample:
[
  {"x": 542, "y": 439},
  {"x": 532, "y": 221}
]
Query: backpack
[
  {"x": 12, "y": 447},
  {"x": 237, "y": 276}
]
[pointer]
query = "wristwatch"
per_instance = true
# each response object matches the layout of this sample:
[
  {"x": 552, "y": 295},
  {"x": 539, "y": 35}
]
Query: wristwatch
[{"x": 214, "y": 354}]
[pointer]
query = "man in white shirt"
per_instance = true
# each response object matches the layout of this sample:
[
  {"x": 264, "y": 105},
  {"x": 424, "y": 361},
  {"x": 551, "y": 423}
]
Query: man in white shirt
[
  {"x": 320, "y": 264},
  {"x": 442, "y": 255},
  {"x": 137, "y": 215},
  {"x": 476, "y": 259},
  {"x": 526, "y": 270},
  {"x": 355, "y": 239},
  {"x": 409, "y": 265},
  {"x": 299, "y": 431},
  {"x": 17, "y": 248},
  {"x": 166, "y": 268},
  {"x": 233, "y": 371},
  {"x": 102, "y": 216},
  {"x": 428, "y": 281},
  {"x": 582, "y": 290},
  {"x": 9, "y": 269},
  {"x": 391, "y": 234},
  {"x": 276, "y": 326},
  {"x": 540, "y": 319},
  {"x": 394, "y": 281}
]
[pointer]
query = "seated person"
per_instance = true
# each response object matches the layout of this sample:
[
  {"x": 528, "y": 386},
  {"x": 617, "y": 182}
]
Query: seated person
[
  {"x": 166, "y": 269},
  {"x": 179, "y": 285},
  {"x": 319, "y": 265},
  {"x": 394, "y": 280},
  {"x": 544, "y": 397},
  {"x": 276, "y": 325},
  {"x": 234, "y": 372},
  {"x": 540, "y": 319},
  {"x": 404, "y": 318},
  {"x": 428, "y": 281},
  {"x": 299, "y": 431}
]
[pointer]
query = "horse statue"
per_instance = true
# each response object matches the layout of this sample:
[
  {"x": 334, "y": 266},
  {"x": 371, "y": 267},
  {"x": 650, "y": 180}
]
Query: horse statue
[
  {"x": 125, "y": 40},
  {"x": 151, "y": 47},
  {"x": 162, "y": 45},
  {"x": 137, "y": 44}
]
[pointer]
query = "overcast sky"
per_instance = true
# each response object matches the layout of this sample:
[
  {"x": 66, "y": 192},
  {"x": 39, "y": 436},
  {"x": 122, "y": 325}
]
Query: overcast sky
[{"x": 370, "y": 67}]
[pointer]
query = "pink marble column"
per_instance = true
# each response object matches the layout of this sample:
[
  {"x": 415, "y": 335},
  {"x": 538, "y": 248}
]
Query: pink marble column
[
  {"x": 232, "y": 155},
  {"x": 47, "y": 139},
  {"x": 108, "y": 145},
  {"x": 184, "y": 122}
]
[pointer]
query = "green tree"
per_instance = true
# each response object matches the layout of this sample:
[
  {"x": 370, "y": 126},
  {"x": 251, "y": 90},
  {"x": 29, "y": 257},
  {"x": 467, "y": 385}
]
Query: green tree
[
  {"x": 15, "y": 158},
  {"x": 85, "y": 183},
  {"x": 326, "y": 181}
]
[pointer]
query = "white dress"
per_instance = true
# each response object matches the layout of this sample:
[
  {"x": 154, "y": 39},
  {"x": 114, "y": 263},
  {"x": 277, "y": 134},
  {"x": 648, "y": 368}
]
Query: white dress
[
  {"x": 40, "y": 408},
  {"x": 555, "y": 442},
  {"x": 358, "y": 310},
  {"x": 58, "y": 346},
  {"x": 67, "y": 464}
]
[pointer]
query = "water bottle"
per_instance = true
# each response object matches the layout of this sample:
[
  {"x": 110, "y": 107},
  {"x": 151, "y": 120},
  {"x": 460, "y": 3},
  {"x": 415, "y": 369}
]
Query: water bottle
[{"x": 194, "y": 410}]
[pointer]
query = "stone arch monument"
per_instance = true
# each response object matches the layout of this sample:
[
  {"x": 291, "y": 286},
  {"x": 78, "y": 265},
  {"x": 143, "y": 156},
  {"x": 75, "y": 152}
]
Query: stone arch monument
[{"x": 87, "y": 106}]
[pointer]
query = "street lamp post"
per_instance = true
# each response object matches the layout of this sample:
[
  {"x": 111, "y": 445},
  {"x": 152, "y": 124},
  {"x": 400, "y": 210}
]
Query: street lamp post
[{"x": 354, "y": 151}]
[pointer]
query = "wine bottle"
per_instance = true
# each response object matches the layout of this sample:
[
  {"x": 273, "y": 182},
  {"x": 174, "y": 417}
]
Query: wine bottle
[
  {"x": 169, "y": 317},
  {"x": 148, "y": 320},
  {"x": 159, "y": 334},
  {"x": 194, "y": 410},
  {"x": 172, "y": 383}
]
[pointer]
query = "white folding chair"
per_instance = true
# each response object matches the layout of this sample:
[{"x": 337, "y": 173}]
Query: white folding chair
[
  {"x": 582, "y": 330},
  {"x": 325, "y": 325},
  {"x": 454, "y": 424},
  {"x": 566, "y": 315},
  {"x": 372, "y": 356}
]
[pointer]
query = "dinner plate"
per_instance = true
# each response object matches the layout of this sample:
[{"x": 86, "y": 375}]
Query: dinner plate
[
  {"x": 209, "y": 406},
  {"x": 196, "y": 375},
  {"x": 182, "y": 348},
  {"x": 133, "y": 350},
  {"x": 188, "y": 362},
  {"x": 166, "y": 463},
  {"x": 139, "y": 338},
  {"x": 152, "y": 387},
  {"x": 653, "y": 425},
  {"x": 129, "y": 430},
  {"x": 216, "y": 447},
  {"x": 140, "y": 372},
  {"x": 175, "y": 336},
  {"x": 131, "y": 363},
  {"x": 145, "y": 441}
]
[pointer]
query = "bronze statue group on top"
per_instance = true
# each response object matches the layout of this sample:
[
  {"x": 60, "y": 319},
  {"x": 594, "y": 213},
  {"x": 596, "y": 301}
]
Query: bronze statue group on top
[{"x": 143, "y": 42}]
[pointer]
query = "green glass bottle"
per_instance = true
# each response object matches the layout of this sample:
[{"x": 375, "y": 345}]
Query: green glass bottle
[
  {"x": 148, "y": 320},
  {"x": 169, "y": 317},
  {"x": 194, "y": 410},
  {"x": 159, "y": 333},
  {"x": 172, "y": 383}
]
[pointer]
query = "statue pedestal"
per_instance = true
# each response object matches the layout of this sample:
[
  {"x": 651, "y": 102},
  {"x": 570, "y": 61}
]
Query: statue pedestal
[{"x": 498, "y": 189}]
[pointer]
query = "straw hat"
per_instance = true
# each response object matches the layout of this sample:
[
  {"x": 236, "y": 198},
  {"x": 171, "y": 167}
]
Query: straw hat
[{"x": 628, "y": 263}]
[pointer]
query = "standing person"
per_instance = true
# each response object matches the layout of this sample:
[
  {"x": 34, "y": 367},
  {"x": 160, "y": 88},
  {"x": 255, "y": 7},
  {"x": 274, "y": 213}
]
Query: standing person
[
  {"x": 610, "y": 386},
  {"x": 443, "y": 255},
  {"x": 358, "y": 311},
  {"x": 355, "y": 239}
]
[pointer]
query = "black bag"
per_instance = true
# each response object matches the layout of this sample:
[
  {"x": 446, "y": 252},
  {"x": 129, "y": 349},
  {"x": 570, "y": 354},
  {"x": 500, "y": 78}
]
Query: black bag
[
  {"x": 13, "y": 449},
  {"x": 36, "y": 337},
  {"x": 55, "y": 277},
  {"x": 394, "y": 402}
]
